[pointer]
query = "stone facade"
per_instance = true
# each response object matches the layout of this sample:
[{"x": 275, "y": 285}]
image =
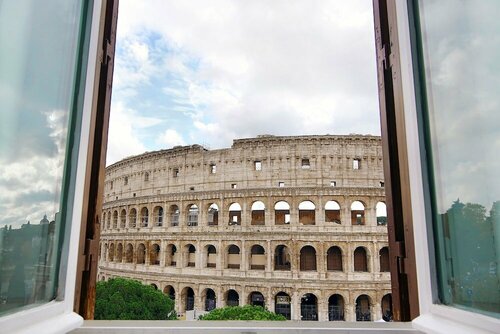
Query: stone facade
[{"x": 292, "y": 223}]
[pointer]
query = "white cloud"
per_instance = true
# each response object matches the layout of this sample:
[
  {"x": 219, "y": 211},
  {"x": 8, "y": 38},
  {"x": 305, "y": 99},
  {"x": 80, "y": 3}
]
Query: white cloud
[{"x": 171, "y": 138}]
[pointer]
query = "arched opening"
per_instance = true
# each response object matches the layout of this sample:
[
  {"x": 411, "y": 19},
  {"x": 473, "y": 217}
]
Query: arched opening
[
  {"x": 132, "y": 218},
  {"x": 192, "y": 215},
  {"x": 257, "y": 257},
  {"x": 307, "y": 258},
  {"x": 360, "y": 260},
  {"x": 154, "y": 255},
  {"x": 281, "y": 213},
  {"x": 336, "y": 308},
  {"x": 213, "y": 215},
  {"x": 256, "y": 299},
  {"x": 210, "y": 300},
  {"x": 154, "y": 286},
  {"x": 387, "y": 307},
  {"x": 235, "y": 214},
  {"x": 171, "y": 259},
  {"x": 258, "y": 213},
  {"x": 363, "y": 312},
  {"x": 282, "y": 305},
  {"x": 109, "y": 220},
  {"x": 381, "y": 211},
  {"x": 384, "y": 259},
  {"x": 307, "y": 213},
  {"x": 211, "y": 256},
  {"x": 111, "y": 253},
  {"x": 104, "y": 216},
  {"x": 334, "y": 259},
  {"x": 158, "y": 216},
  {"x": 187, "y": 299},
  {"x": 232, "y": 298},
  {"x": 309, "y": 307},
  {"x": 115, "y": 219},
  {"x": 123, "y": 218},
  {"x": 233, "y": 257},
  {"x": 119, "y": 253},
  {"x": 357, "y": 213},
  {"x": 191, "y": 255},
  {"x": 332, "y": 212},
  {"x": 169, "y": 291},
  {"x": 144, "y": 217},
  {"x": 129, "y": 253},
  {"x": 141, "y": 254},
  {"x": 174, "y": 215},
  {"x": 282, "y": 258}
]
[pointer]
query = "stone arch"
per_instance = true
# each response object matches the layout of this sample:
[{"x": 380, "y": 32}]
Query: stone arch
[
  {"x": 381, "y": 212},
  {"x": 144, "y": 217},
  {"x": 336, "y": 308},
  {"x": 187, "y": 299},
  {"x": 190, "y": 251},
  {"x": 171, "y": 255},
  {"x": 308, "y": 258},
  {"x": 193, "y": 213},
  {"x": 132, "y": 218},
  {"x": 111, "y": 253},
  {"x": 282, "y": 258},
  {"x": 360, "y": 259},
  {"x": 154, "y": 286},
  {"x": 169, "y": 291},
  {"x": 123, "y": 218},
  {"x": 158, "y": 215},
  {"x": 233, "y": 257},
  {"x": 283, "y": 305},
  {"x": 174, "y": 214},
  {"x": 141, "y": 254},
  {"x": 386, "y": 305},
  {"x": 384, "y": 259},
  {"x": 129, "y": 253},
  {"x": 332, "y": 212},
  {"x": 334, "y": 259},
  {"x": 258, "y": 257},
  {"x": 256, "y": 298},
  {"x": 281, "y": 213},
  {"x": 115, "y": 219},
  {"x": 109, "y": 220},
  {"x": 357, "y": 213},
  {"x": 154, "y": 254},
  {"x": 307, "y": 213},
  {"x": 213, "y": 214},
  {"x": 104, "y": 220},
  {"x": 119, "y": 252},
  {"x": 309, "y": 307},
  {"x": 211, "y": 252},
  {"x": 258, "y": 210},
  {"x": 363, "y": 308},
  {"x": 209, "y": 299},
  {"x": 232, "y": 298},
  {"x": 235, "y": 214}
]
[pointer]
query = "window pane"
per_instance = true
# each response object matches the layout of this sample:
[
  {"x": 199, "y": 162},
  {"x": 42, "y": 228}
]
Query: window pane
[
  {"x": 460, "y": 45},
  {"x": 39, "y": 43}
]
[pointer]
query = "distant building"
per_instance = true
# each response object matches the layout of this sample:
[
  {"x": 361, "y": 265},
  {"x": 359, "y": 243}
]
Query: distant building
[{"x": 295, "y": 224}]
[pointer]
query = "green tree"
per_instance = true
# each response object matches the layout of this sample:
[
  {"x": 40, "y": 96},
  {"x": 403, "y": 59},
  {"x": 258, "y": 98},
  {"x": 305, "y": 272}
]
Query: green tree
[
  {"x": 247, "y": 312},
  {"x": 126, "y": 299}
]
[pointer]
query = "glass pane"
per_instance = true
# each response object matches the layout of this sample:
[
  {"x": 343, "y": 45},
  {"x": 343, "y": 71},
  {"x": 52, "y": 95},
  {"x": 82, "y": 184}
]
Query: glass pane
[
  {"x": 460, "y": 47},
  {"x": 38, "y": 60}
]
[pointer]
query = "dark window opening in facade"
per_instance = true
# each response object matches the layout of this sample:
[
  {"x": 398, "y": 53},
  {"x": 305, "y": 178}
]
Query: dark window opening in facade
[
  {"x": 191, "y": 256},
  {"x": 125, "y": 181},
  {"x": 175, "y": 172},
  {"x": 213, "y": 168},
  {"x": 233, "y": 185},
  {"x": 213, "y": 215},
  {"x": 154, "y": 255},
  {"x": 171, "y": 254},
  {"x": 174, "y": 215},
  {"x": 158, "y": 216},
  {"x": 334, "y": 259},
  {"x": 258, "y": 165},
  {"x": 141, "y": 254},
  {"x": 211, "y": 256},
  {"x": 309, "y": 307},
  {"x": 256, "y": 299},
  {"x": 384, "y": 259},
  {"x": 233, "y": 257},
  {"x": 188, "y": 298},
  {"x": 232, "y": 298},
  {"x": 192, "y": 216},
  {"x": 363, "y": 308},
  {"x": 308, "y": 259},
  {"x": 305, "y": 164},
  {"x": 282, "y": 305},
  {"x": 333, "y": 183},
  {"x": 257, "y": 258},
  {"x": 336, "y": 308},
  {"x": 360, "y": 259},
  {"x": 282, "y": 258},
  {"x": 144, "y": 217},
  {"x": 356, "y": 164},
  {"x": 169, "y": 291},
  {"x": 281, "y": 184},
  {"x": 210, "y": 300},
  {"x": 146, "y": 177}
]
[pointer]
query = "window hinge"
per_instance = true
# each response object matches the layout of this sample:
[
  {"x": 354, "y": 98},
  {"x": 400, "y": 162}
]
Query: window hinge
[
  {"x": 108, "y": 52},
  {"x": 401, "y": 257},
  {"x": 90, "y": 252},
  {"x": 386, "y": 57}
]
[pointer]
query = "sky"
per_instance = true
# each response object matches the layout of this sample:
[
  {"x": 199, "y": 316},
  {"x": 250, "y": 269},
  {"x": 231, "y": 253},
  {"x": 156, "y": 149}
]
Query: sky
[{"x": 189, "y": 72}]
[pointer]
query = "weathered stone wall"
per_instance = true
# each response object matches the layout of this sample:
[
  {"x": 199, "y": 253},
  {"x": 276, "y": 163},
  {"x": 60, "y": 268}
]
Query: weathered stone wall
[{"x": 142, "y": 192}]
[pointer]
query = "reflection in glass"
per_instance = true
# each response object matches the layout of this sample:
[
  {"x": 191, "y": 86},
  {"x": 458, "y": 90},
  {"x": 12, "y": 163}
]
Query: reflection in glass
[
  {"x": 460, "y": 48},
  {"x": 38, "y": 46}
]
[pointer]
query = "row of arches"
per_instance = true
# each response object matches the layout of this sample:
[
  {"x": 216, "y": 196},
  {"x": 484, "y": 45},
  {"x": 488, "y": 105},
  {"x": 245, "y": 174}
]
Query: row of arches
[
  {"x": 282, "y": 259},
  {"x": 282, "y": 214},
  {"x": 283, "y": 303}
]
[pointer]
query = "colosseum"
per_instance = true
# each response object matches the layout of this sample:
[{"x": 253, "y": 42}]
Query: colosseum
[{"x": 295, "y": 224}]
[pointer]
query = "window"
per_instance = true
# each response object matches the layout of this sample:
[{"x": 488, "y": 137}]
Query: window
[
  {"x": 213, "y": 168},
  {"x": 305, "y": 164},
  {"x": 233, "y": 185},
  {"x": 111, "y": 184},
  {"x": 333, "y": 183},
  {"x": 258, "y": 165},
  {"x": 382, "y": 184},
  {"x": 356, "y": 164},
  {"x": 146, "y": 177},
  {"x": 125, "y": 181},
  {"x": 175, "y": 172},
  {"x": 281, "y": 184}
]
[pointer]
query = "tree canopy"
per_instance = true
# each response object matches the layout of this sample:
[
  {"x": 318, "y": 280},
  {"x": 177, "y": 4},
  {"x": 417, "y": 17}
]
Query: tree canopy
[
  {"x": 247, "y": 312},
  {"x": 126, "y": 299}
]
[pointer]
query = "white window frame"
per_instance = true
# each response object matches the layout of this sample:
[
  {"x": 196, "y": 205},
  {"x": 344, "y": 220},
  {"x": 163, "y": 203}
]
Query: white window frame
[
  {"x": 434, "y": 318},
  {"x": 58, "y": 316}
]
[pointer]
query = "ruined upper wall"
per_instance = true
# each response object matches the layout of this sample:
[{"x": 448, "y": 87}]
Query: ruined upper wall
[{"x": 190, "y": 168}]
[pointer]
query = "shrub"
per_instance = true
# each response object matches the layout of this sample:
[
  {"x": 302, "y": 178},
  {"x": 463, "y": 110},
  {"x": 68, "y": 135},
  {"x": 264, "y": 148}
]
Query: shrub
[{"x": 247, "y": 312}]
